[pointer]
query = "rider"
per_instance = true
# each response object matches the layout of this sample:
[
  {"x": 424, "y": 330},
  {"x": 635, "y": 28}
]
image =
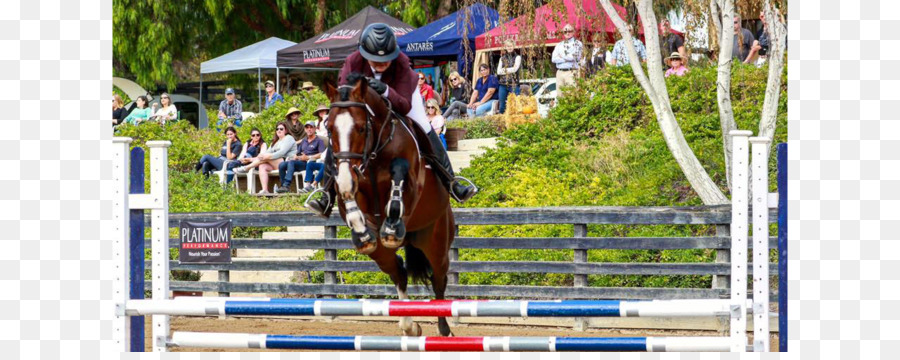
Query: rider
[{"x": 380, "y": 59}]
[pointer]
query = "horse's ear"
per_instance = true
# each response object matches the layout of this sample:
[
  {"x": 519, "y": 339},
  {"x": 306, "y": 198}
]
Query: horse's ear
[
  {"x": 330, "y": 91},
  {"x": 362, "y": 87}
]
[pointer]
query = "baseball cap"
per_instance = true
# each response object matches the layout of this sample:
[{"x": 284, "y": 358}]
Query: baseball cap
[
  {"x": 229, "y": 91},
  {"x": 310, "y": 123},
  {"x": 270, "y": 82}
]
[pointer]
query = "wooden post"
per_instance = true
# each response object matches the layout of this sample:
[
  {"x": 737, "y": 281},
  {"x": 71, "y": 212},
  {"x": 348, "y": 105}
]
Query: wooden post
[
  {"x": 330, "y": 255},
  {"x": 581, "y": 323},
  {"x": 224, "y": 276},
  {"x": 453, "y": 277}
]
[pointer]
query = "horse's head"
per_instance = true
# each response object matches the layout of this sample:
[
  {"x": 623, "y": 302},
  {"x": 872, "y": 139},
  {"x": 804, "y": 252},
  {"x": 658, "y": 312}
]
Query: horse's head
[{"x": 356, "y": 113}]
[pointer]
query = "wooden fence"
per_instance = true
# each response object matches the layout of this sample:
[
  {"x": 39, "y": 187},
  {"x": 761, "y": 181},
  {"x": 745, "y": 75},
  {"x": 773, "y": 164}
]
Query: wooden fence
[{"x": 579, "y": 243}]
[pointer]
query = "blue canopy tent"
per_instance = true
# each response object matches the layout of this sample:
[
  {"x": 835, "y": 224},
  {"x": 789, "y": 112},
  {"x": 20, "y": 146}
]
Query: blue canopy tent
[{"x": 443, "y": 39}]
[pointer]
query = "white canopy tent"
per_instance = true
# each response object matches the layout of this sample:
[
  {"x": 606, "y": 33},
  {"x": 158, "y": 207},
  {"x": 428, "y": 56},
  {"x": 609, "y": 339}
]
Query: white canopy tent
[{"x": 259, "y": 56}]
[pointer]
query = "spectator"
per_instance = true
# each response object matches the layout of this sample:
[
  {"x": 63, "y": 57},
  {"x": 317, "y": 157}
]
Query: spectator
[
  {"x": 167, "y": 112},
  {"x": 295, "y": 127},
  {"x": 230, "y": 110},
  {"x": 308, "y": 86},
  {"x": 433, "y": 112},
  {"x": 430, "y": 81},
  {"x": 283, "y": 147},
  {"x": 486, "y": 90},
  {"x": 459, "y": 94},
  {"x": 230, "y": 150},
  {"x": 676, "y": 65},
  {"x": 311, "y": 148},
  {"x": 321, "y": 114},
  {"x": 251, "y": 149},
  {"x": 119, "y": 111},
  {"x": 568, "y": 56},
  {"x": 140, "y": 113},
  {"x": 426, "y": 90},
  {"x": 597, "y": 61},
  {"x": 271, "y": 96},
  {"x": 762, "y": 40},
  {"x": 507, "y": 69},
  {"x": 743, "y": 49},
  {"x": 670, "y": 42},
  {"x": 620, "y": 54}
]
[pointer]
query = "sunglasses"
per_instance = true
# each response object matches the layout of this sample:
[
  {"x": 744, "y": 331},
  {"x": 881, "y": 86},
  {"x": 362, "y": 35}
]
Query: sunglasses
[
  {"x": 431, "y": 107},
  {"x": 568, "y": 31},
  {"x": 254, "y": 135},
  {"x": 270, "y": 86},
  {"x": 421, "y": 78},
  {"x": 280, "y": 129}
]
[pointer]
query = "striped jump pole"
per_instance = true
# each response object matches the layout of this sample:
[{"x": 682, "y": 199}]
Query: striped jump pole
[
  {"x": 441, "y": 308},
  {"x": 429, "y": 343}
]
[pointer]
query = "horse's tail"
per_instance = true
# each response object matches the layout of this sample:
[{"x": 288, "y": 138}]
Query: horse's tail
[{"x": 417, "y": 265}]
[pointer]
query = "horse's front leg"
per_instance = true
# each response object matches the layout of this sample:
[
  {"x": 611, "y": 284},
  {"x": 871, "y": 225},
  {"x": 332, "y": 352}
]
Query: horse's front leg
[
  {"x": 393, "y": 230},
  {"x": 363, "y": 238}
]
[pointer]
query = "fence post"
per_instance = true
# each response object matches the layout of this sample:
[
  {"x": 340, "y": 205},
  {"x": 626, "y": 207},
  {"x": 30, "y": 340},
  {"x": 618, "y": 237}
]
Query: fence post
[
  {"x": 739, "y": 222},
  {"x": 453, "y": 277},
  {"x": 330, "y": 255},
  {"x": 122, "y": 334},
  {"x": 137, "y": 247},
  {"x": 159, "y": 234},
  {"x": 760, "y": 201},
  {"x": 581, "y": 323},
  {"x": 782, "y": 156}
]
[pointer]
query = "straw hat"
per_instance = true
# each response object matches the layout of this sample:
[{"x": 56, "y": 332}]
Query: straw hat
[
  {"x": 320, "y": 108},
  {"x": 291, "y": 111},
  {"x": 673, "y": 56},
  {"x": 308, "y": 85}
]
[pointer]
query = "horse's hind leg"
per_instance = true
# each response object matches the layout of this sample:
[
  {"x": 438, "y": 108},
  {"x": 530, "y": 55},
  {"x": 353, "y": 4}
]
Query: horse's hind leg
[
  {"x": 392, "y": 264},
  {"x": 436, "y": 251},
  {"x": 393, "y": 230}
]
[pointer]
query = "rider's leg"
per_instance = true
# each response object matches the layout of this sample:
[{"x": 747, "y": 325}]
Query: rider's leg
[
  {"x": 324, "y": 204},
  {"x": 459, "y": 191}
]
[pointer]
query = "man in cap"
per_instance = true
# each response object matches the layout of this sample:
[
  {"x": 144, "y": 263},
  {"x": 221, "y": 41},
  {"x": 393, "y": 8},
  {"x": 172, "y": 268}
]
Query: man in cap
[
  {"x": 310, "y": 149},
  {"x": 271, "y": 95},
  {"x": 308, "y": 86},
  {"x": 229, "y": 110},
  {"x": 379, "y": 58}
]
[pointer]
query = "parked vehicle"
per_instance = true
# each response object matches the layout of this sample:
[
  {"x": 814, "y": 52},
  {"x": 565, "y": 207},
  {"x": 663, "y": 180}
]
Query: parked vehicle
[
  {"x": 544, "y": 91},
  {"x": 189, "y": 108}
]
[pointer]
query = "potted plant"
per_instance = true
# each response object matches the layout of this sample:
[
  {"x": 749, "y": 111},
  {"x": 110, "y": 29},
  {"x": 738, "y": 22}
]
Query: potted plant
[{"x": 456, "y": 131}]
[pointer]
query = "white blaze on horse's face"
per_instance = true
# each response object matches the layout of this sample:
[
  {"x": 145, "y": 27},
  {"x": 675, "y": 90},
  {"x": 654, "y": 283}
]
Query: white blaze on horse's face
[{"x": 343, "y": 123}]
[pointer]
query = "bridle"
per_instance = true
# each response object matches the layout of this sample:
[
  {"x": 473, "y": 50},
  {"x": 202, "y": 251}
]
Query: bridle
[{"x": 374, "y": 145}]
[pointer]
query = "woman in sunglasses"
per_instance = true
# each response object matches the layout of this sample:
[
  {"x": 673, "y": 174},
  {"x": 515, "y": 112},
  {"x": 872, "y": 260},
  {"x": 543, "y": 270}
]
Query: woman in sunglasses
[
  {"x": 168, "y": 110},
  {"x": 459, "y": 97},
  {"x": 252, "y": 148},
  {"x": 282, "y": 147},
  {"x": 433, "y": 113},
  {"x": 426, "y": 90},
  {"x": 230, "y": 149}
]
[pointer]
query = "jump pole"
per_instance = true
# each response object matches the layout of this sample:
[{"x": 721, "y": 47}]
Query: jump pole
[
  {"x": 761, "y": 204},
  {"x": 739, "y": 206}
]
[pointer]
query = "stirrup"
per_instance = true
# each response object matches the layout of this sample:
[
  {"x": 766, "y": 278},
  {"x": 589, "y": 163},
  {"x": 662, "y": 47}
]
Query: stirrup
[
  {"x": 455, "y": 180},
  {"x": 312, "y": 194},
  {"x": 396, "y": 195}
]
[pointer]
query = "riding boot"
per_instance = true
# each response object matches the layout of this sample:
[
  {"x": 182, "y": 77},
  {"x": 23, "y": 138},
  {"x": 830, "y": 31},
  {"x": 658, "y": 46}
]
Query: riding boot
[
  {"x": 459, "y": 191},
  {"x": 324, "y": 204}
]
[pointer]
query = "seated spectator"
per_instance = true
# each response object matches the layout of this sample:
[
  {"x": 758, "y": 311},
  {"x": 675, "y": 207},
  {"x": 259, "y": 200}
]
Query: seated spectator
[
  {"x": 676, "y": 65},
  {"x": 485, "y": 93},
  {"x": 118, "y": 110},
  {"x": 230, "y": 150},
  {"x": 283, "y": 147},
  {"x": 230, "y": 110},
  {"x": 459, "y": 97},
  {"x": 311, "y": 148},
  {"x": 271, "y": 96},
  {"x": 167, "y": 112},
  {"x": 140, "y": 113},
  {"x": 620, "y": 54},
  {"x": 295, "y": 127},
  {"x": 426, "y": 90},
  {"x": 321, "y": 114},
  {"x": 250, "y": 151},
  {"x": 433, "y": 113}
]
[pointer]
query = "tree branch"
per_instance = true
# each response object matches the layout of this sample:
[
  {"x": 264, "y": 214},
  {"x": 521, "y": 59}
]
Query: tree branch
[
  {"x": 777, "y": 39},
  {"x": 723, "y": 79}
]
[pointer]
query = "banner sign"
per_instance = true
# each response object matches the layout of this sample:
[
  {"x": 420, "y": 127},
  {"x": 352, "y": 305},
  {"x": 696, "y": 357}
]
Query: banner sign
[{"x": 205, "y": 243}]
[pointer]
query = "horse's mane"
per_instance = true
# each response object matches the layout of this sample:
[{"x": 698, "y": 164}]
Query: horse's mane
[{"x": 353, "y": 79}]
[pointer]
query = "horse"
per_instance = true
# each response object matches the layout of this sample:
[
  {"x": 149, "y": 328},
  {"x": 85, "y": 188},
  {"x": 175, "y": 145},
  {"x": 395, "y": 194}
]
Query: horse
[{"x": 377, "y": 154}]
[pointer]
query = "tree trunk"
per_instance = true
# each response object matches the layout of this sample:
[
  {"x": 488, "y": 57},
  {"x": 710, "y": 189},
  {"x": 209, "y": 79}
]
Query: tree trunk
[
  {"x": 775, "y": 60},
  {"x": 444, "y": 8},
  {"x": 319, "y": 26},
  {"x": 656, "y": 90},
  {"x": 725, "y": 24}
]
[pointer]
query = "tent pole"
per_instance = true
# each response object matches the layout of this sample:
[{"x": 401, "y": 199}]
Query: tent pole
[
  {"x": 277, "y": 79},
  {"x": 258, "y": 90}
]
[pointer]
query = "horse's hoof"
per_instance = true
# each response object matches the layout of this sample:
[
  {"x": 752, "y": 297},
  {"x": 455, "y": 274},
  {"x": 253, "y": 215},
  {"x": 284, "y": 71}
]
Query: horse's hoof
[
  {"x": 365, "y": 243},
  {"x": 392, "y": 236}
]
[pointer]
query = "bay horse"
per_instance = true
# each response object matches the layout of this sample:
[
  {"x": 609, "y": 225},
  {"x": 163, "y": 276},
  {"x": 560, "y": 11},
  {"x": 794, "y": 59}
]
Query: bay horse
[{"x": 382, "y": 183}]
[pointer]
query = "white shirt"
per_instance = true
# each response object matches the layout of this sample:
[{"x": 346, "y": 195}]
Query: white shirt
[
  {"x": 169, "y": 113},
  {"x": 568, "y": 54}
]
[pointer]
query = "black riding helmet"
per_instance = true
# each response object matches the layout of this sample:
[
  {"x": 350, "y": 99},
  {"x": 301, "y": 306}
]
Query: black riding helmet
[{"x": 378, "y": 43}]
